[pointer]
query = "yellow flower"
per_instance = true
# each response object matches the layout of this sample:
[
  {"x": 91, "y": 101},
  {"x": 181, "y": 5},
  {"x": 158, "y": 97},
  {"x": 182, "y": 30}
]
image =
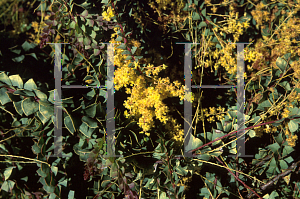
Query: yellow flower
[
  {"x": 108, "y": 14},
  {"x": 212, "y": 110},
  {"x": 285, "y": 113},
  {"x": 136, "y": 43},
  {"x": 219, "y": 109},
  {"x": 246, "y": 24},
  {"x": 47, "y": 17},
  {"x": 136, "y": 64},
  {"x": 268, "y": 129},
  {"x": 126, "y": 114},
  {"x": 240, "y": 31},
  {"x": 89, "y": 81},
  {"x": 214, "y": 9},
  {"x": 211, "y": 119},
  {"x": 35, "y": 25}
]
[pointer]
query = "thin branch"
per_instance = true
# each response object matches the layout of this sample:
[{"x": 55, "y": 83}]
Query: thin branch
[
  {"x": 238, "y": 178},
  {"x": 271, "y": 182}
]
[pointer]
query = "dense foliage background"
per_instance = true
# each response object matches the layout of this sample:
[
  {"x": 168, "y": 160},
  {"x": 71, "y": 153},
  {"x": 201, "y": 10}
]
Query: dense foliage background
[{"x": 149, "y": 99}]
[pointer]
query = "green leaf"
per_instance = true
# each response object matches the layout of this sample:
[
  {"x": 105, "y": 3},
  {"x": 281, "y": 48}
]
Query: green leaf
[
  {"x": 30, "y": 85},
  {"x": 71, "y": 194},
  {"x": 51, "y": 96},
  {"x": 126, "y": 52},
  {"x": 96, "y": 51},
  {"x": 33, "y": 55},
  {"x": 72, "y": 25},
  {"x": 202, "y": 24},
  {"x": 295, "y": 111},
  {"x": 289, "y": 159},
  {"x": 287, "y": 150},
  {"x": 8, "y": 185},
  {"x": 119, "y": 38},
  {"x": 25, "y": 178},
  {"x": 89, "y": 122},
  {"x": 85, "y": 13},
  {"x": 40, "y": 94},
  {"x": 18, "y": 107},
  {"x": 5, "y": 79},
  {"x": 293, "y": 126},
  {"x": 17, "y": 51},
  {"x": 196, "y": 16},
  {"x": 4, "y": 98},
  {"x": 91, "y": 110},
  {"x": 63, "y": 182},
  {"x": 27, "y": 46},
  {"x": 203, "y": 12},
  {"x": 18, "y": 59},
  {"x": 133, "y": 49},
  {"x": 266, "y": 103},
  {"x": 42, "y": 118},
  {"x": 163, "y": 195},
  {"x": 93, "y": 35},
  {"x": 252, "y": 133},
  {"x": 52, "y": 196},
  {"x": 16, "y": 80},
  {"x": 193, "y": 143},
  {"x": 285, "y": 85},
  {"x": 49, "y": 189},
  {"x": 274, "y": 194},
  {"x": 287, "y": 56},
  {"x": 265, "y": 32},
  {"x": 283, "y": 164},
  {"x": 138, "y": 57},
  {"x": 86, "y": 41},
  {"x": 122, "y": 46},
  {"x": 217, "y": 135},
  {"x": 80, "y": 39},
  {"x": 274, "y": 147},
  {"x": 54, "y": 169},
  {"x": 114, "y": 170},
  {"x": 78, "y": 30},
  {"x": 103, "y": 94},
  {"x": 128, "y": 58},
  {"x": 69, "y": 124},
  {"x": 46, "y": 110},
  {"x": 8, "y": 172},
  {"x": 281, "y": 63},
  {"x": 29, "y": 106},
  {"x": 85, "y": 130},
  {"x": 279, "y": 139}
]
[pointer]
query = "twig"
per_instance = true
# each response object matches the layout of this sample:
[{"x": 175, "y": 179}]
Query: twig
[
  {"x": 251, "y": 127},
  {"x": 124, "y": 37},
  {"x": 238, "y": 178},
  {"x": 271, "y": 182}
]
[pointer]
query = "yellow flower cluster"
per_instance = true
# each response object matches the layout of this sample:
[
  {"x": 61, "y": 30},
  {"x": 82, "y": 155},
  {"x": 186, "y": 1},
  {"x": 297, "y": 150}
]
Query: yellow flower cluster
[
  {"x": 225, "y": 55},
  {"x": 251, "y": 55},
  {"x": 163, "y": 3},
  {"x": 291, "y": 139},
  {"x": 36, "y": 26},
  {"x": 268, "y": 129},
  {"x": 259, "y": 15},
  {"x": 147, "y": 92},
  {"x": 108, "y": 14},
  {"x": 213, "y": 113}
]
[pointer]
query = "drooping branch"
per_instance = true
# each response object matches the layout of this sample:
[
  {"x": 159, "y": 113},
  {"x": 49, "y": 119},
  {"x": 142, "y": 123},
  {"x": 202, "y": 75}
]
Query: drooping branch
[{"x": 271, "y": 182}]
